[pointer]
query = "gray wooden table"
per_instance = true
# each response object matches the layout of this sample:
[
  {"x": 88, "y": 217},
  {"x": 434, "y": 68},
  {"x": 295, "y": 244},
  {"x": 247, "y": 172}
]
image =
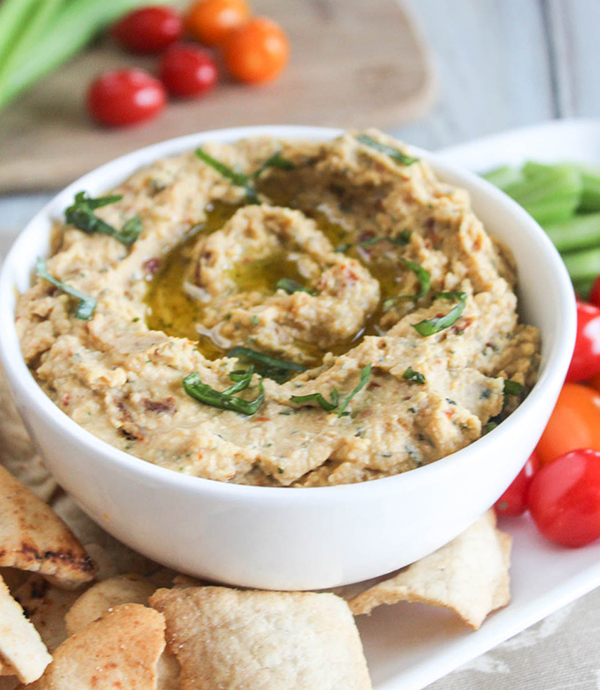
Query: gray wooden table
[{"x": 501, "y": 64}]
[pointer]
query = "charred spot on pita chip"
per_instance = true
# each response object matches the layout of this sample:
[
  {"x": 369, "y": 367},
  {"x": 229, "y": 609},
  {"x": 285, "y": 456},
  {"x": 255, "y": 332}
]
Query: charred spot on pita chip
[{"x": 34, "y": 538}]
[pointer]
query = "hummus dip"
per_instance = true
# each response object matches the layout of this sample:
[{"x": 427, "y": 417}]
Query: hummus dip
[{"x": 280, "y": 313}]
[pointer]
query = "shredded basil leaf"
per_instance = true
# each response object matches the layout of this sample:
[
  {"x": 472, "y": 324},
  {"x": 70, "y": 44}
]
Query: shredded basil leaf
[
  {"x": 411, "y": 375},
  {"x": 240, "y": 179},
  {"x": 224, "y": 400},
  {"x": 81, "y": 215},
  {"x": 394, "y": 153},
  {"x": 274, "y": 161},
  {"x": 430, "y": 326},
  {"x": 291, "y": 286},
  {"x": 424, "y": 278},
  {"x": 270, "y": 367},
  {"x": 488, "y": 427},
  {"x": 513, "y": 388},
  {"x": 365, "y": 375},
  {"x": 241, "y": 379},
  {"x": 87, "y": 304},
  {"x": 342, "y": 248},
  {"x": 318, "y": 398},
  {"x": 400, "y": 240}
]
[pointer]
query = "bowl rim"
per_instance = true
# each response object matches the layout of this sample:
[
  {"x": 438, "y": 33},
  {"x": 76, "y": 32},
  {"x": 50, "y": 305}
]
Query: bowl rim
[{"x": 19, "y": 376}]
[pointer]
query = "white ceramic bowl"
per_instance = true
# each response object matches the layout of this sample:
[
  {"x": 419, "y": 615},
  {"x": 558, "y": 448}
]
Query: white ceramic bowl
[{"x": 277, "y": 538}]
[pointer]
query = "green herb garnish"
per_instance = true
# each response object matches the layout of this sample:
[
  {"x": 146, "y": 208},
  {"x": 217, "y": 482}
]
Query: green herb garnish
[
  {"x": 87, "y": 304},
  {"x": 513, "y": 388},
  {"x": 291, "y": 286},
  {"x": 395, "y": 154},
  {"x": 488, "y": 427},
  {"x": 241, "y": 379},
  {"x": 274, "y": 161},
  {"x": 81, "y": 215},
  {"x": 430, "y": 326},
  {"x": 224, "y": 400},
  {"x": 270, "y": 367},
  {"x": 318, "y": 398},
  {"x": 400, "y": 241},
  {"x": 365, "y": 375},
  {"x": 237, "y": 178},
  {"x": 247, "y": 181},
  {"x": 411, "y": 375},
  {"x": 424, "y": 278}
]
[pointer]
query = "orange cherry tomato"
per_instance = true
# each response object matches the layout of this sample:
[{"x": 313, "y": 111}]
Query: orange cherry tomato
[
  {"x": 574, "y": 424},
  {"x": 209, "y": 21},
  {"x": 257, "y": 51}
]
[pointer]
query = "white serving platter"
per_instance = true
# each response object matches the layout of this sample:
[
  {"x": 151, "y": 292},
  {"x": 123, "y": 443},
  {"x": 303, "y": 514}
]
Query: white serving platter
[{"x": 409, "y": 646}]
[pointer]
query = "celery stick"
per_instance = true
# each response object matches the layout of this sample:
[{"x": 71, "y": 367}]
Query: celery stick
[
  {"x": 583, "y": 265},
  {"x": 561, "y": 180},
  {"x": 579, "y": 232},
  {"x": 552, "y": 211},
  {"x": 550, "y": 197},
  {"x": 500, "y": 177},
  {"x": 532, "y": 170},
  {"x": 584, "y": 287},
  {"x": 72, "y": 28},
  {"x": 13, "y": 17},
  {"x": 36, "y": 25},
  {"x": 590, "y": 196}
]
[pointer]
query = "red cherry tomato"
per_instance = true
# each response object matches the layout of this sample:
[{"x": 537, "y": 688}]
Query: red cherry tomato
[
  {"x": 513, "y": 501},
  {"x": 595, "y": 293},
  {"x": 257, "y": 51},
  {"x": 148, "y": 30},
  {"x": 125, "y": 97},
  {"x": 574, "y": 423},
  {"x": 209, "y": 21},
  {"x": 187, "y": 71},
  {"x": 586, "y": 357},
  {"x": 564, "y": 498}
]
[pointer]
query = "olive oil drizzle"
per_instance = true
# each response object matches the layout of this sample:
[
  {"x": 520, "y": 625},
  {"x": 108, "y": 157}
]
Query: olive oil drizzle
[{"x": 172, "y": 310}]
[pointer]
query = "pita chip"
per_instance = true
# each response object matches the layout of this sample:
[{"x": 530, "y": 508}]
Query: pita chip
[
  {"x": 13, "y": 578},
  {"x": 34, "y": 538},
  {"x": 469, "y": 576},
  {"x": 119, "y": 650},
  {"x": 22, "y": 652},
  {"x": 167, "y": 672},
  {"x": 46, "y": 606},
  {"x": 224, "y": 638},
  {"x": 123, "y": 589}
]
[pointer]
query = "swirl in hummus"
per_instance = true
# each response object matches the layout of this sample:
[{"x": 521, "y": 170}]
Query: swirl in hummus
[{"x": 374, "y": 320}]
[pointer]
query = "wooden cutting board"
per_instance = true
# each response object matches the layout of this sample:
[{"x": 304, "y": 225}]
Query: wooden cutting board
[{"x": 354, "y": 63}]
